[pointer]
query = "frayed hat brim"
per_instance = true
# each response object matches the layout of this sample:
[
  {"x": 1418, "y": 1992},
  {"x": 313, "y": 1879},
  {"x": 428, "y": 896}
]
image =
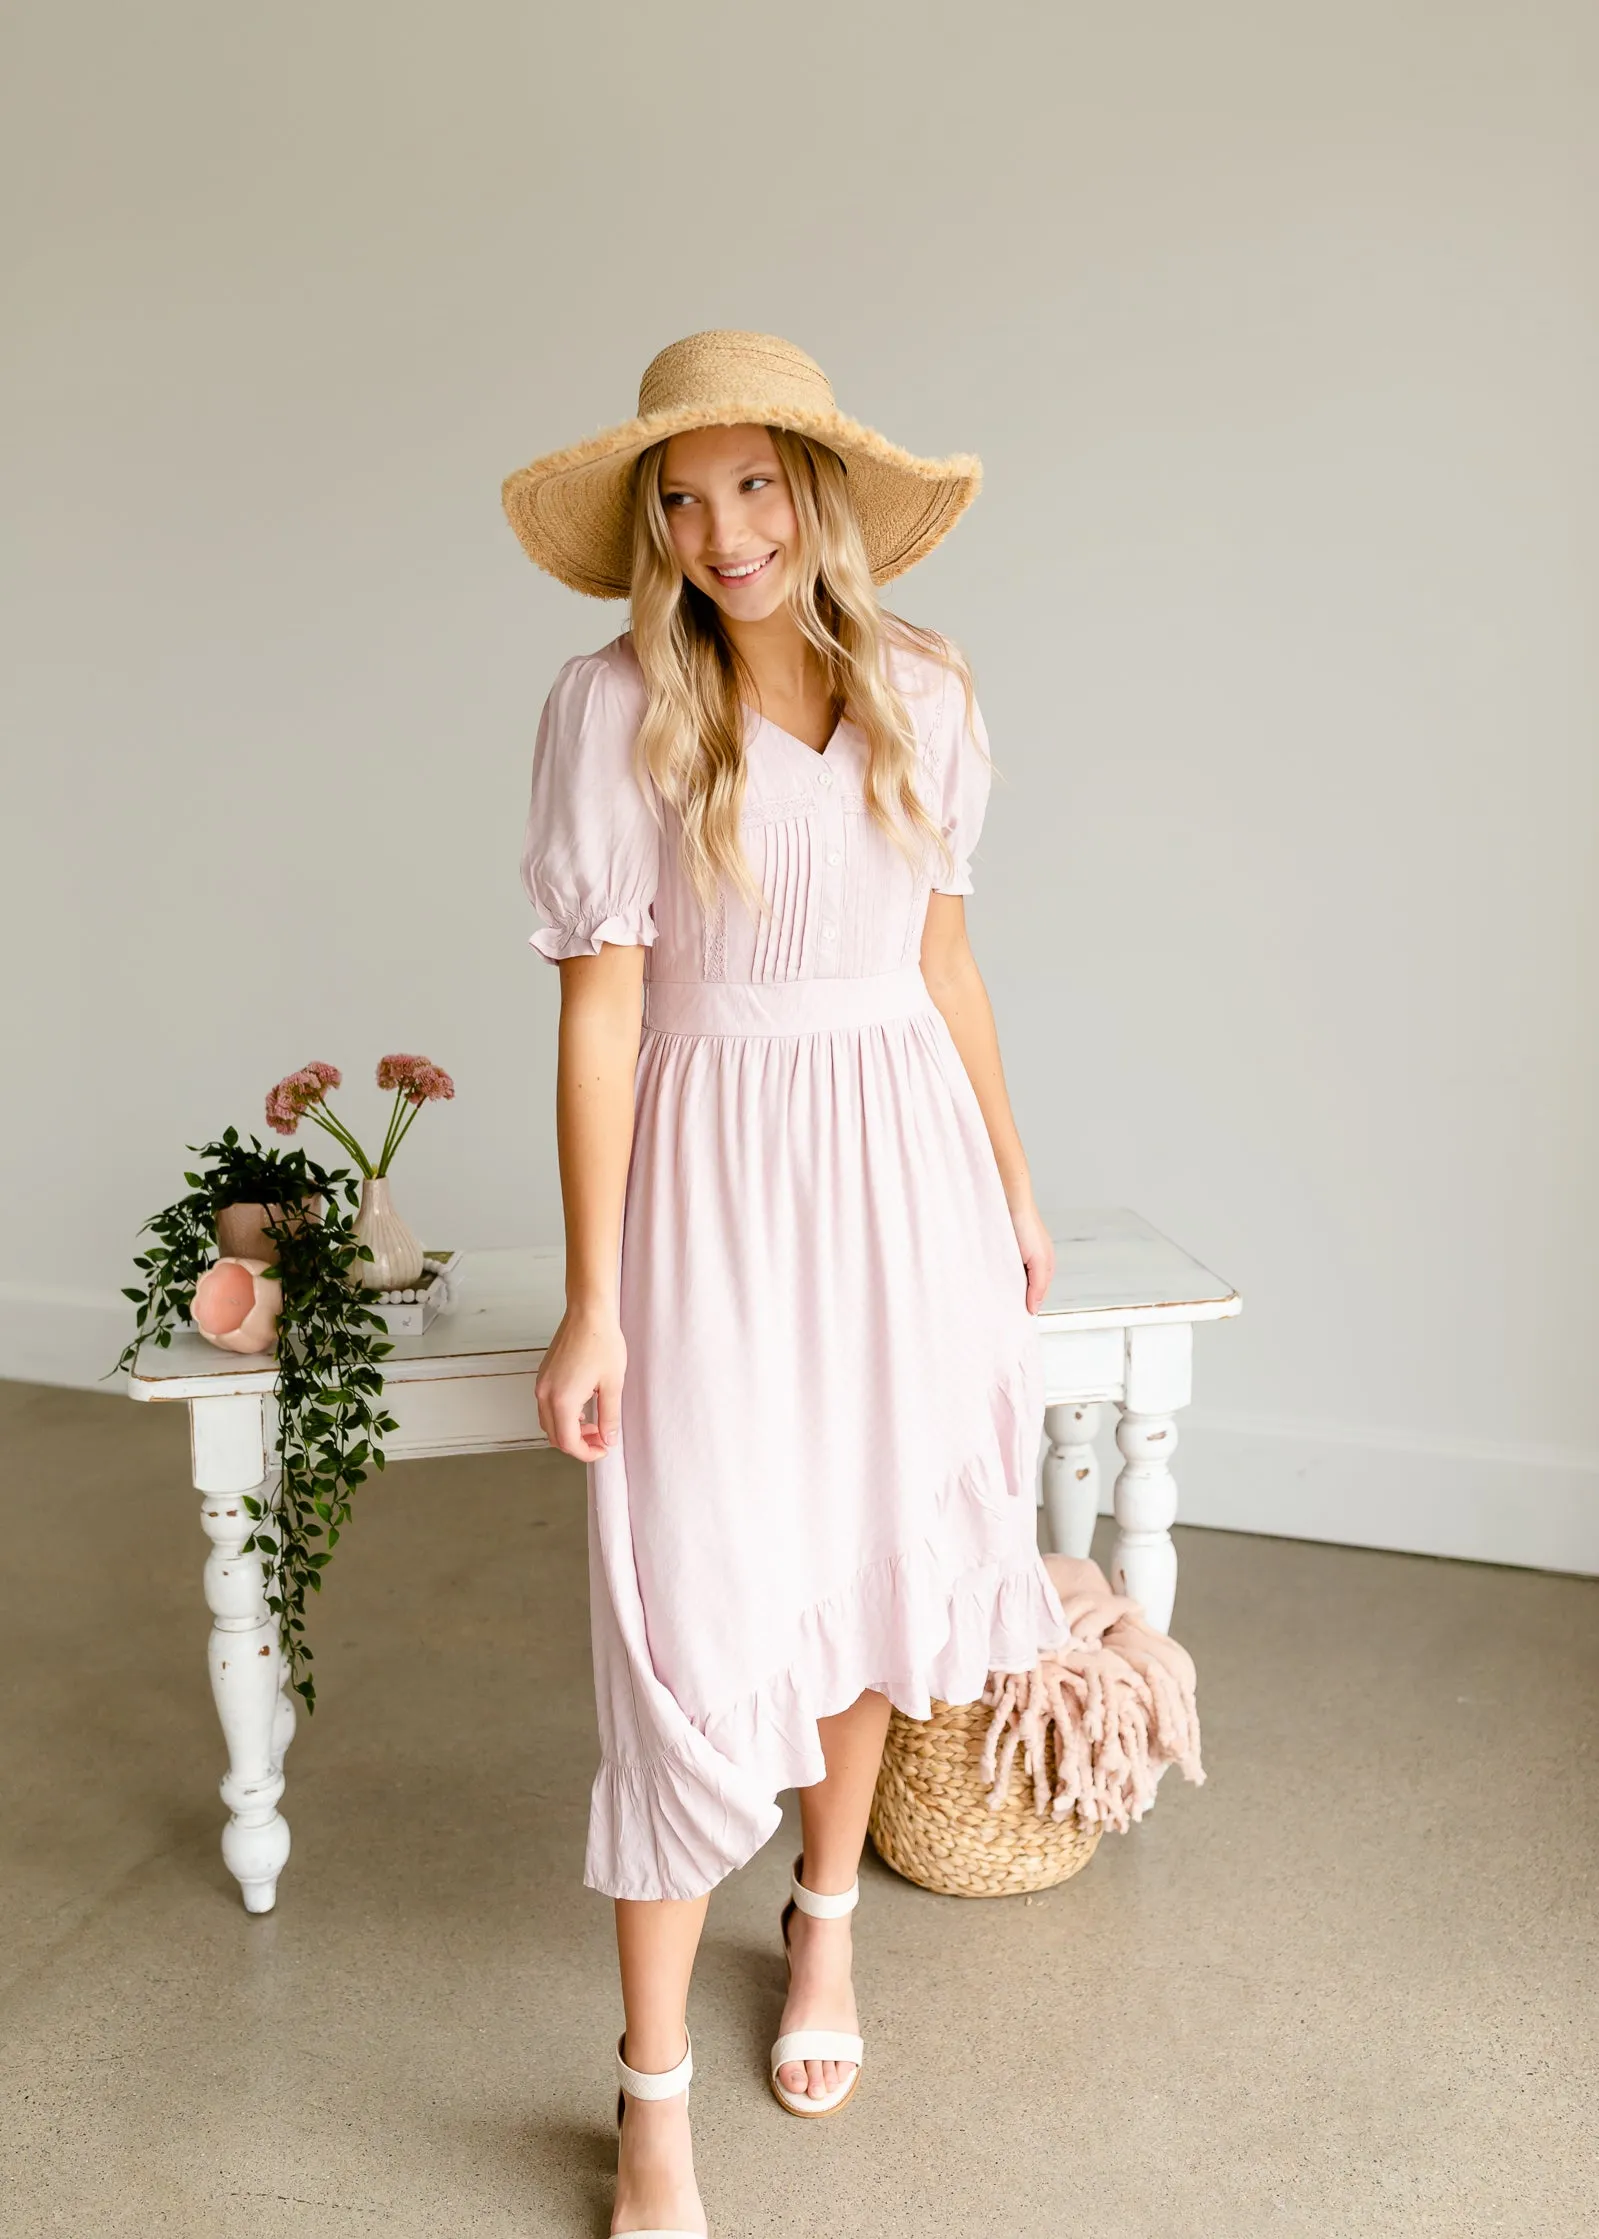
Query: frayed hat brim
[{"x": 572, "y": 510}]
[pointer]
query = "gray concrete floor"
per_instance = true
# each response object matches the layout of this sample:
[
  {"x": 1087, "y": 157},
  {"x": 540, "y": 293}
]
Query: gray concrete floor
[{"x": 1344, "y": 1988}]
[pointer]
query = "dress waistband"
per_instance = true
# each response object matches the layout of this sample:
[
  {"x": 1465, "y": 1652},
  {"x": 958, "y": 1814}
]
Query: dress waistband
[{"x": 783, "y": 1006}]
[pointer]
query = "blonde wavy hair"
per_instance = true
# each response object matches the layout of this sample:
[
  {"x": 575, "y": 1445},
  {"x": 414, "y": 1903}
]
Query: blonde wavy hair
[{"x": 691, "y": 741}]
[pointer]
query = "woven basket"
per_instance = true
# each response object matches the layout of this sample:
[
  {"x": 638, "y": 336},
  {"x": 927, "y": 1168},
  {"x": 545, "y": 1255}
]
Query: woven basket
[{"x": 931, "y": 1822}]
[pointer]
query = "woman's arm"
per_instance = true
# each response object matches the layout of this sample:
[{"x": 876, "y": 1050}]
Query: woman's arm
[
  {"x": 597, "y": 1055},
  {"x": 956, "y": 986}
]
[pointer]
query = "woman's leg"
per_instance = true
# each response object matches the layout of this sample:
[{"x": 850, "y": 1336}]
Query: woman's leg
[
  {"x": 655, "y": 1944},
  {"x": 833, "y": 1816}
]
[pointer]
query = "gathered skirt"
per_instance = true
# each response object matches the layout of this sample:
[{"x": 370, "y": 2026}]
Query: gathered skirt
[{"x": 830, "y": 1420}]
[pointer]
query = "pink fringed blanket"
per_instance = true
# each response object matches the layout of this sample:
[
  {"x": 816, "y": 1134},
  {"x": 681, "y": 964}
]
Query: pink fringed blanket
[{"x": 1119, "y": 1696}]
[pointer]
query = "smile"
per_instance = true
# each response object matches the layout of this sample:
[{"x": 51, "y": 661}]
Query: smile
[{"x": 745, "y": 571}]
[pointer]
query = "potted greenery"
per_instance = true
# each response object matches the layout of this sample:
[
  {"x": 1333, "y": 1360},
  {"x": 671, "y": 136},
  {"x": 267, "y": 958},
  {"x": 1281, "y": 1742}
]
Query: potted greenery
[{"x": 272, "y": 1252}]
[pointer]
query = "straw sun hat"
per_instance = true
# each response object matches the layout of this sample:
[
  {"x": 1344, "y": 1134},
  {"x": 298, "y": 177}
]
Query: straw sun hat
[{"x": 573, "y": 509}]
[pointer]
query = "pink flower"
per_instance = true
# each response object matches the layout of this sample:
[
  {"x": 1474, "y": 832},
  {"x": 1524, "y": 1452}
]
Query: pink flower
[
  {"x": 417, "y": 1079},
  {"x": 288, "y": 1103},
  {"x": 237, "y": 1306}
]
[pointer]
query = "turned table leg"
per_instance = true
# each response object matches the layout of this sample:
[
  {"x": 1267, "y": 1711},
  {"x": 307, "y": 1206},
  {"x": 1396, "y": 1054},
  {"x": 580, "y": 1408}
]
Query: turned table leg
[
  {"x": 1071, "y": 1476},
  {"x": 1159, "y": 1380},
  {"x": 248, "y": 1674}
]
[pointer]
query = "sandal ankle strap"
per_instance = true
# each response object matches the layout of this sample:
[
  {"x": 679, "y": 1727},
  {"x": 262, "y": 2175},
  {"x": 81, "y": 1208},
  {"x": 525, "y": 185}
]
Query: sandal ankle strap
[
  {"x": 664, "y": 2084},
  {"x": 812, "y": 1901}
]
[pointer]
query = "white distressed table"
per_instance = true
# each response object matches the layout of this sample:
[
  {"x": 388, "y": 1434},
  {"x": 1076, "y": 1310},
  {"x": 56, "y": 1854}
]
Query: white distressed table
[{"x": 1118, "y": 1327}]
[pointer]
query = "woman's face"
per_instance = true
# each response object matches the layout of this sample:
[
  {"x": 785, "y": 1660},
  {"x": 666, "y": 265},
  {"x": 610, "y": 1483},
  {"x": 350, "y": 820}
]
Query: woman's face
[{"x": 732, "y": 522}]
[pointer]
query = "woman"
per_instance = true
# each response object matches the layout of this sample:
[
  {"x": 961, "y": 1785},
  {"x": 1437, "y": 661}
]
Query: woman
[{"x": 802, "y": 1252}]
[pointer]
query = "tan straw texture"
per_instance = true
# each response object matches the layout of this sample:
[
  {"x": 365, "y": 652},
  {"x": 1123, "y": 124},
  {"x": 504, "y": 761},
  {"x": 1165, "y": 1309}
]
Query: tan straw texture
[
  {"x": 572, "y": 510},
  {"x": 930, "y": 1819}
]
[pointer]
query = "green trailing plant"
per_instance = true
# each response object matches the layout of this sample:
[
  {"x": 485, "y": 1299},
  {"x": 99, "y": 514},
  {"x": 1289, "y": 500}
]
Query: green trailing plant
[{"x": 329, "y": 1381}]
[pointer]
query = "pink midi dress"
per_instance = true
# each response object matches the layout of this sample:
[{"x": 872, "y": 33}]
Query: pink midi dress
[{"x": 831, "y": 1413}]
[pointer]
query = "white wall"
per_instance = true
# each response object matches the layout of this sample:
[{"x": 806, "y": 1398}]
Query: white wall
[{"x": 1275, "y": 326}]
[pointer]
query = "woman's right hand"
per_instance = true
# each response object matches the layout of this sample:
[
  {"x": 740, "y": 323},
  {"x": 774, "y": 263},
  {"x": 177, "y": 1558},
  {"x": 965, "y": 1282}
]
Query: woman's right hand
[{"x": 587, "y": 1355}]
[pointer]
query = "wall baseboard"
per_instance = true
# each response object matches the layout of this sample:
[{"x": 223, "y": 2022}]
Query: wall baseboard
[
  {"x": 50, "y": 1334},
  {"x": 1471, "y": 1500}
]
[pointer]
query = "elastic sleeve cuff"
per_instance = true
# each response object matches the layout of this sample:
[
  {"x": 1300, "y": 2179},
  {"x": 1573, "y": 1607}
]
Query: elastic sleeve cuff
[
  {"x": 959, "y": 883},
  {"x": 628, "y": 927}
]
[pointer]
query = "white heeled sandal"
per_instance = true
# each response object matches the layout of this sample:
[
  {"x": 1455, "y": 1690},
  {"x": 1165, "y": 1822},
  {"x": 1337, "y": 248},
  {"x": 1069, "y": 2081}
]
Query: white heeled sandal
[
  {"x": 815, "y": 2044},
  {"x": 635, "y": 2083}
]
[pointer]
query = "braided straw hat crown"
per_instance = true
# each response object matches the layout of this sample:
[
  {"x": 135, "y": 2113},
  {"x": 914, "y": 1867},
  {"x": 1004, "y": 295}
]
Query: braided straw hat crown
[{"x": 573, "y": 510}]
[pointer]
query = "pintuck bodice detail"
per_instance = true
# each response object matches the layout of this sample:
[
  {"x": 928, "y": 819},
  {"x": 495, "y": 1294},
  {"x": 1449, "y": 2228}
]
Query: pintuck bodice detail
[
  {"x": 843, "y": 899},
  {"x": 845, "y": 902}
]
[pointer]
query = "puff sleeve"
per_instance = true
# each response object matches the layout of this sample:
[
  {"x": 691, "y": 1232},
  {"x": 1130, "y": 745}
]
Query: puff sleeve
[
  {"x": 590, "y": 853},
  {"x": 965, "y": 776}
]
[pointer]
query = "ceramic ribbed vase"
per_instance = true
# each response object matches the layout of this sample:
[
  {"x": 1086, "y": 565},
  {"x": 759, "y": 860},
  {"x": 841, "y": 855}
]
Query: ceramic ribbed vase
[{"x": 396, "y": 1262}]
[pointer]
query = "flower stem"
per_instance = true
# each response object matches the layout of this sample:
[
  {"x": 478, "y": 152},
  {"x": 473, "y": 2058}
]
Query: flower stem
[
  {"x": 410, "y": 1122},
  {"x": 321, "y": 1113},
  {"x": 390, "y": 1139}
]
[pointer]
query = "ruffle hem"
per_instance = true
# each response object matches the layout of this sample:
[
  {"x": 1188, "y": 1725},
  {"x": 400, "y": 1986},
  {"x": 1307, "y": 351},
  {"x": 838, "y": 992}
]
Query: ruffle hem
[{"x": 923, "y": 1624}]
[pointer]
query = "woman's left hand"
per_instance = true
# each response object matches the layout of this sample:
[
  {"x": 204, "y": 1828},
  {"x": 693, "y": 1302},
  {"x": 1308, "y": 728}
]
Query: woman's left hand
[{"x": 1037, "y": 1249}]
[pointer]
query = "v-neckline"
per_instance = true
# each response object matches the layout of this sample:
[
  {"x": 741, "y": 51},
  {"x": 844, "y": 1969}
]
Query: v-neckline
[{"x": 816, "y": 753}]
